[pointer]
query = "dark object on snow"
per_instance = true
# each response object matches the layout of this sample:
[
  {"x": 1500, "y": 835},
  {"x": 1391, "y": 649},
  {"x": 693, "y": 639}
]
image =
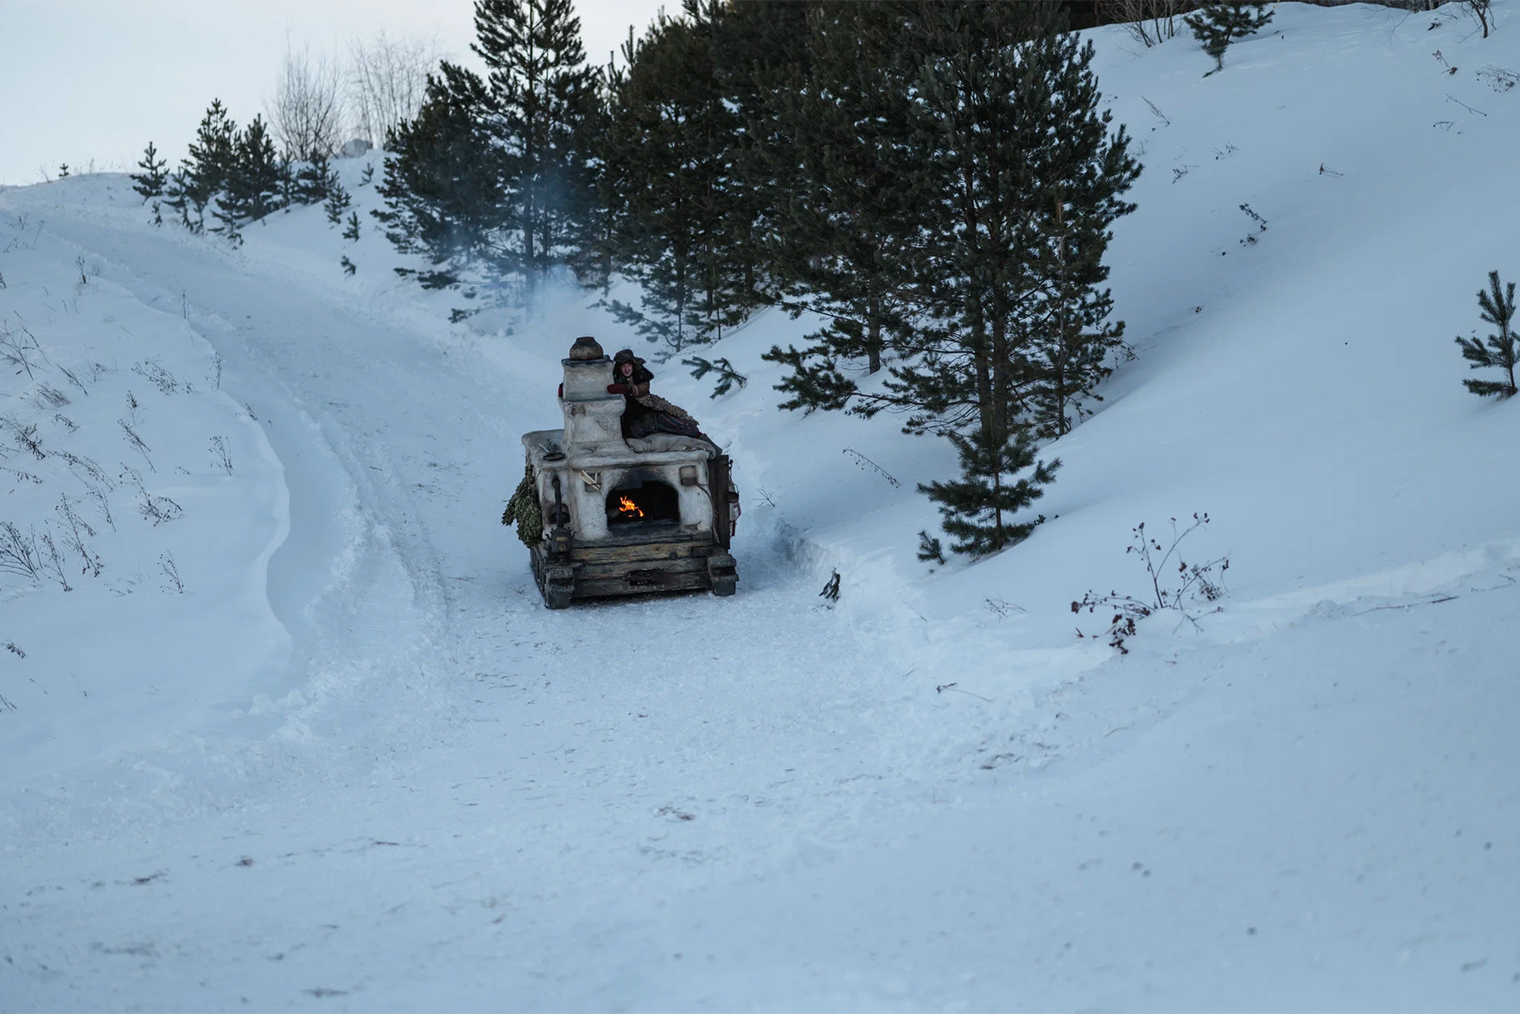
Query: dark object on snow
[{"x": 831, "y": 590}]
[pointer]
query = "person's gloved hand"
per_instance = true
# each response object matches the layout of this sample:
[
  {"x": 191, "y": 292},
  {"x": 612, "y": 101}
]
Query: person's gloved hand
[{"x": 618, "y": 389}]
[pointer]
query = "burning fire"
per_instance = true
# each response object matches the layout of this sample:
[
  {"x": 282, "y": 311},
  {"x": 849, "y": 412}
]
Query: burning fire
[{"x": 627, "y": 508}]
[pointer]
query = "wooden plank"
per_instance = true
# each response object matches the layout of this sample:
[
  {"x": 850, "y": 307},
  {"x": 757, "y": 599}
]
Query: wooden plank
[
  {"x": 643, "y": 570},
  {"x": 582, "y": 553},
  {"x": 610, "y": 587}
]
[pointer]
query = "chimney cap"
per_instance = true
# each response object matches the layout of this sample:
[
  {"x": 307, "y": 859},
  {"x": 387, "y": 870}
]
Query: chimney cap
[{"x": 586, "y": 349}]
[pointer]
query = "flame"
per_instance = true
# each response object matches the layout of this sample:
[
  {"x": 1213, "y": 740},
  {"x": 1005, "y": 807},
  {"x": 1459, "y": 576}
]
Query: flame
[{"x": 628, "y": 508}]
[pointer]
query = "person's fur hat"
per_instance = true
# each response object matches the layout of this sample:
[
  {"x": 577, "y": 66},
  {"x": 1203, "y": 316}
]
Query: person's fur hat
[{"x": 626, "y": 356}]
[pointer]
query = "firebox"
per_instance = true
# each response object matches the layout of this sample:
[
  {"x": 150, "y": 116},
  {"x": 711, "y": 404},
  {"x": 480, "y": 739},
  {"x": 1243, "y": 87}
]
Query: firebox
[{"x": 646, "y": 503}]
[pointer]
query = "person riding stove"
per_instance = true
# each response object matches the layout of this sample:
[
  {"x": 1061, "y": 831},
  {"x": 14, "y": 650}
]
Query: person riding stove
[{"x": 647, "y": 413}]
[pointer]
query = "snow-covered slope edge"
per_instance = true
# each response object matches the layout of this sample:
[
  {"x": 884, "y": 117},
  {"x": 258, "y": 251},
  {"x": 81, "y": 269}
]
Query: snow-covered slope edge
[{"x": 163, "y": 499}]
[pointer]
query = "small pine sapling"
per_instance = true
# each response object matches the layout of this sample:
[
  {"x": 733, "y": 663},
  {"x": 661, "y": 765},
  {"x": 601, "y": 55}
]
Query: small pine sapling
[
  {"x": 337, "y": 203},
  {"x": 150, "y": 182},
  {"x": 1503, "y": 349},
  {"x": 368, "y": 175},
  {"x": 349, "y": 267},
  {"x": 978, "y": 508},
  {"x": 352, "y": 232},
  {"x": 1216, "y": 25}
]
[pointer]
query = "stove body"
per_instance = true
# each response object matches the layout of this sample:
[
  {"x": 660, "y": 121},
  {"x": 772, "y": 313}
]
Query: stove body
[{"x": 625, "y": 517}]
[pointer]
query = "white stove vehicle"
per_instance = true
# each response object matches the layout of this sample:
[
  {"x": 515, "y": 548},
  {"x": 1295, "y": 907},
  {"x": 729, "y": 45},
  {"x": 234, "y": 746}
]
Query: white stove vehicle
[{"x": 625, "y": 516}]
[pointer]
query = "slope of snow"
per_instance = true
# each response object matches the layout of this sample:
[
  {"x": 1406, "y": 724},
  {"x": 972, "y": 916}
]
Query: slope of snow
[{"x": 378, "y": 775}]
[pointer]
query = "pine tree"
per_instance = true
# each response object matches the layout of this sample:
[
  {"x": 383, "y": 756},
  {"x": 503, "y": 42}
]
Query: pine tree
[
  {"x": 540, "y": 90},
  {"x": 352, "y": 232},
  {"x": 1067, "y": 339},
  {"x": 212, "y": 153},
  {"x": 596, "y": 229},
  {"x": 155, "y": 173},
  {"x": 203, "y": 174},
  {"x": 760, "y": 53},
  {"x": 337, "y": 202},
  {"x": 441, "y": 193},
  {"x": 253, "y": 186},
  {"x": 1503, "y": 349},
  {"x": 670, "y": 136},
  {"x": 1216, "y": 25},
  {"x": 843, "y": 243},
  {"x": 979, "y": 507},
  {"x": 1022, "y": 182},
  {"x": 982, "y": 134},
  {"x": 315, "y": 181}
]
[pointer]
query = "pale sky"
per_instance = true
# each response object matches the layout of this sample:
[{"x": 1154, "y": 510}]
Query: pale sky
[{"x": 99, "y": 79}]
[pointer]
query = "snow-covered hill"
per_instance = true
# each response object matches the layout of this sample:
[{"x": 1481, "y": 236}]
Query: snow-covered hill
[{"x": 354, "y": 764}]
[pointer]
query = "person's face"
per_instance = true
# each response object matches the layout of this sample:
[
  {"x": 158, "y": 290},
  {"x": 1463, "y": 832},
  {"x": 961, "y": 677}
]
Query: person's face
[{"x": 626, "y": 369}]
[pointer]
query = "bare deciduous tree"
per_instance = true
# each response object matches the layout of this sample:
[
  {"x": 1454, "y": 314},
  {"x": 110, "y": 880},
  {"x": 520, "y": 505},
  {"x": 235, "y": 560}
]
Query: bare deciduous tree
[
  {"x": 307, "y": 108},
  {"x": 387, "y": 81},
  {"x": 1150, "y": 22}
]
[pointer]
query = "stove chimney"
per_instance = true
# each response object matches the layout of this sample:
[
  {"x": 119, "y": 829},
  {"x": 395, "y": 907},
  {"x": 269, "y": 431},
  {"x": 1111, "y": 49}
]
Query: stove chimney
[{"x": 593, "y": 418}]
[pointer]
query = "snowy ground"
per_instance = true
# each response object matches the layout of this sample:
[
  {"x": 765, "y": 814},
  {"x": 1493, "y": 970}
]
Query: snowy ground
[{"x": 354, "y": 765}]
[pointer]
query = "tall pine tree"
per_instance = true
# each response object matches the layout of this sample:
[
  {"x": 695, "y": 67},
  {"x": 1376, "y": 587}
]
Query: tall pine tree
[
  {"x": 255, "y": 181},
  {"x": 203, "y": 174},
  {"x": 442, "y": 194},
  {"x": 1068, "y": 340},
  {"x": 594, "y": 245},
  {"x": 671, "y": 133},
  {"x": 1025, "y": 179},
  {"x": 540, "y": 91},
  {"x": 845, "y": 238}
]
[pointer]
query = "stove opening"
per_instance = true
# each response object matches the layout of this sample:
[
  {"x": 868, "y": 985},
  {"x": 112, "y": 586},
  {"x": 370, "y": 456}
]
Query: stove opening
[{"x": 643, "y": 504}]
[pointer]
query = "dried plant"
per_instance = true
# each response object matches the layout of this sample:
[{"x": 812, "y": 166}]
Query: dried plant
[
  {"x": 137, "y": 443},
  {"x": 25, "y": 437},
  {"x": 171, "y": 571},
  {"x": 1170, "y": 589},
  {"x": 52, "y": 561},
  {"x": 161, "y": 378},
  {"x": 102, "y": 504},
  {"x": 18, "y": 552},
  {"x": 156, "y": 509},
  {"x": 221, "y": 454},
  {"x": 75, "y": 530}
]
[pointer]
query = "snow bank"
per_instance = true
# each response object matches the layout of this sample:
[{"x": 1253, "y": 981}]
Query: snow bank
[{"x": 162, "y": 500}]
